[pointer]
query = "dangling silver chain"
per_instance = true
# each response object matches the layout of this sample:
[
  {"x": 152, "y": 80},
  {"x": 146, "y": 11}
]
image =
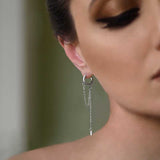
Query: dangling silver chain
[{"x": 89, "y": 103}]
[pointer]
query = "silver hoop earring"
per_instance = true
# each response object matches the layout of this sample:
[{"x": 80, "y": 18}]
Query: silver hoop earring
[{"x": 89, "y": 104}]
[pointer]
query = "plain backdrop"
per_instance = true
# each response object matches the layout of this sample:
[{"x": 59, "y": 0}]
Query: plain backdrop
[{"x": 41, "y": 100}]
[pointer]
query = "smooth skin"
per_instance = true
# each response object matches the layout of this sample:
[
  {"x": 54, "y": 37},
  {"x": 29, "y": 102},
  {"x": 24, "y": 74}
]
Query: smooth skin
[{"x": 123, "y": 60}]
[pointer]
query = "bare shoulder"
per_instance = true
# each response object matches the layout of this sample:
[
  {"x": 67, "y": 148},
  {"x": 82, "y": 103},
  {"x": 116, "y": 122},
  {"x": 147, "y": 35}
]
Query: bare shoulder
[
  {"x": 29, "y": 155},
  {"x": 58, "y": 152},
  {"x": 68, "y": 151}
]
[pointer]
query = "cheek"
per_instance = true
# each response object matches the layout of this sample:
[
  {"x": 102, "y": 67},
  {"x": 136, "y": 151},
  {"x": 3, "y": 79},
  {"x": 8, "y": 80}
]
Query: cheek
[
  {"x": 119, "y": 61},
  {"x": 115, "y": 60}
]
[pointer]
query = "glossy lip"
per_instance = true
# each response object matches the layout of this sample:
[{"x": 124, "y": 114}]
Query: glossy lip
[{"x": 156, "y": 75}]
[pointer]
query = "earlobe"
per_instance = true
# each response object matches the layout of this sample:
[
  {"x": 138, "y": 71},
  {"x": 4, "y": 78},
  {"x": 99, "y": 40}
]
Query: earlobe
[{"x": 73, "y": 52}]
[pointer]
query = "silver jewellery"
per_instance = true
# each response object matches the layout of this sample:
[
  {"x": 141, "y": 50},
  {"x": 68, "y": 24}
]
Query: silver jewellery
[{"x": 89, "y": 104}]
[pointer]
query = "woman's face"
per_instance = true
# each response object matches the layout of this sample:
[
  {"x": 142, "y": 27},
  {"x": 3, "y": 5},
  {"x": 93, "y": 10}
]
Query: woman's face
[{"x": 125, "y": 58}]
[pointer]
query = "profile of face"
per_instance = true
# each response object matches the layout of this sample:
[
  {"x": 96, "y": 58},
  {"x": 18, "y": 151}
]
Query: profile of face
[{"x": 119, "y": 43}]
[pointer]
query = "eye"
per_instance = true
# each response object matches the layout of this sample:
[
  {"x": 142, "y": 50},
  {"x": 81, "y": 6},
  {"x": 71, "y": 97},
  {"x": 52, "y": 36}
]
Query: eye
[{"x": 121, "y": 20}]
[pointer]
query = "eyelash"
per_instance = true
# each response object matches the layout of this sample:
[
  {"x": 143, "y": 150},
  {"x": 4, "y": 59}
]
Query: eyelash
[{"x": 121, "y": 20}]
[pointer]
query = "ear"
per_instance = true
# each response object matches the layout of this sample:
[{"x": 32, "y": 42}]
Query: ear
[{"x": 73, "y": 52}]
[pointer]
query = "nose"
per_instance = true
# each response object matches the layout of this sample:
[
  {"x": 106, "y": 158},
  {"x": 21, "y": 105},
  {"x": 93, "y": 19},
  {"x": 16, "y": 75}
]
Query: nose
[
  {"x": 157, "y": 36},
  {"x": 156, "y": 23}
]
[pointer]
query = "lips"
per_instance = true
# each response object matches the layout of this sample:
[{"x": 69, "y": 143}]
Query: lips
[{"x": 156, "y": 75}]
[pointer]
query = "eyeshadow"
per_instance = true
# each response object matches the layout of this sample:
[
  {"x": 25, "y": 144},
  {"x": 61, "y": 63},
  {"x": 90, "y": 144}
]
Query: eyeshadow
[{"x": 111, "y": 7}]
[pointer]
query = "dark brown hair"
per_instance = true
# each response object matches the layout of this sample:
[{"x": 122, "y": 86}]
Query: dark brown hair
[{"x": 61, "y": 19}]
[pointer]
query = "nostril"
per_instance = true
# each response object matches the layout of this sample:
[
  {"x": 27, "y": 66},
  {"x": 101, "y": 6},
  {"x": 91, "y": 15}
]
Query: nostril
[
  {"x": 158, "y": 46},
  {"x": 157, "y": 74}
]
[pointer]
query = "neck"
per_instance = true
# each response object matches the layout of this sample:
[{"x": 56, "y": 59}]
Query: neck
[{"x": 129, "y": 135}]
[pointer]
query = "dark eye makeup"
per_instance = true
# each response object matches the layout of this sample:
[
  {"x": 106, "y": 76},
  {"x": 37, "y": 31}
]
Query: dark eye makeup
[{"x": 121, "y": 20}]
